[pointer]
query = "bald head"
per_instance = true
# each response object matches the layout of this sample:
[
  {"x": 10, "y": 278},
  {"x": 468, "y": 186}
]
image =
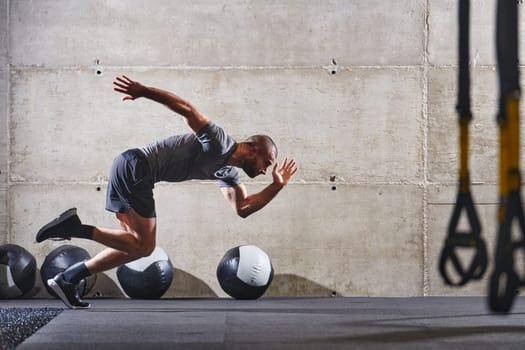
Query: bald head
[{"x": 264, "y": 143}]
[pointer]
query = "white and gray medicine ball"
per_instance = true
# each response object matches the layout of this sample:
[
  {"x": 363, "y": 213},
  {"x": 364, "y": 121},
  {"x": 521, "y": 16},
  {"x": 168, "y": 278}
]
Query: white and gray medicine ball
[
  {"x": 17, "y": 271},
  {"x": 148, "y": 277},
  {"x": 245, "y": 272}
]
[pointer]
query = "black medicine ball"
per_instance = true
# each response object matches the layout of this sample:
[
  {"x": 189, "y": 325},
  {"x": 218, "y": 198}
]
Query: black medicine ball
[
  {"x": 17, "y": 271},
  {"x": 148, "y": 277}
]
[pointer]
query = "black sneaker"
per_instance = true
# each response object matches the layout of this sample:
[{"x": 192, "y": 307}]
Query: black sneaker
[
  {"x": 67, "y": 292},
  {"x": 61, "y": 227}
]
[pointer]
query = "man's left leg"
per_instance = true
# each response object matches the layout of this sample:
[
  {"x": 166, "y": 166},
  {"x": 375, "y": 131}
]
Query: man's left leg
[{"x": 136, "y": 239}]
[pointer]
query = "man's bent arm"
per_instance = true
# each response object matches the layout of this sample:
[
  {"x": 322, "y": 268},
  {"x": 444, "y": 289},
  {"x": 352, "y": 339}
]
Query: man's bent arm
[
  {"x": 245, "y": 205},
  {"x": 133, "y": 89},
  {"x": 195, "y": 119}
]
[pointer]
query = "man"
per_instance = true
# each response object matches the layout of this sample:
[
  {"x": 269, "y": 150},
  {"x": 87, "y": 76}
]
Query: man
[{"x": 206, "y": 153}]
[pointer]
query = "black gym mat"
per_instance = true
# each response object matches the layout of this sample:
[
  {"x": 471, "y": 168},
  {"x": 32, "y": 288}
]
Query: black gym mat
[
  {"x": 16, "y": 324},
  {"x": 432, "y": 323}
]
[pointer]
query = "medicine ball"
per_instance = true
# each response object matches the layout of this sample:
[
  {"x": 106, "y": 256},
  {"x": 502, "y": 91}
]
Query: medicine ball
[
  {"x": 59, "y": 259},
  {"x": 245, "y": 272},
  {"x": 17, "y": 271},
  {"x": 148, "y": 277}
]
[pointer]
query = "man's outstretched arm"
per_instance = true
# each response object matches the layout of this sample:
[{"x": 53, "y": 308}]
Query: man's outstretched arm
[
  {"x": 245, "y": 205},
  {"x": 133, "y": 90}
]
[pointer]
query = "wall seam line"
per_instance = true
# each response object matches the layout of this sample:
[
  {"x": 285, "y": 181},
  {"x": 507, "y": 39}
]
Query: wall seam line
[
  {"x": 9, "y": 234},
  {"x": 426, "y": 69}
]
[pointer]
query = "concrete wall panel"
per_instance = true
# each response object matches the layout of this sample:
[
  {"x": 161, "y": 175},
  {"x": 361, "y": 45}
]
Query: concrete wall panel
[
  {"x": 68, "y": 125},
  {"x": 314, "y": 246},
  {"x": 444, "y": 130},
  {"x": 443, "y": 27},
  {"x": 216, "y": 33}
]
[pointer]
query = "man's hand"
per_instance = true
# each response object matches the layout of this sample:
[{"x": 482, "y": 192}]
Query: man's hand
[
  {"x": 282, "y": 175},
  {"x": 132, "y": 89}
]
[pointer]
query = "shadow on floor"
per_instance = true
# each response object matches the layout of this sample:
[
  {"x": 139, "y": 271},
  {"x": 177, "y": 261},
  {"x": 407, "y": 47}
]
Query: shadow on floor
[
  {"x": 105, "y": 287},
  {"x": 289, "y": 285},
  {"x": 186, "y": 285},
  {"x": 422, "y": 333}
]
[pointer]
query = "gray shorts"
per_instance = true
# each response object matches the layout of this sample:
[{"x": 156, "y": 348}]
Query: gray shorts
[{"x": 131, "y": 185}]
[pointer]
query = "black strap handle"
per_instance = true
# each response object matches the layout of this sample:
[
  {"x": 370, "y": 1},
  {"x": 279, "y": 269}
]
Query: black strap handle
[{"x": 470, "y": 239}]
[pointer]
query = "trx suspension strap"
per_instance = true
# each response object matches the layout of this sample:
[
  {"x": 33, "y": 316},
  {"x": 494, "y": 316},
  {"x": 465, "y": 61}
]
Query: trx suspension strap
[
  {"x": 470, "y": 239},
  {"x": 504, "y": 280}
]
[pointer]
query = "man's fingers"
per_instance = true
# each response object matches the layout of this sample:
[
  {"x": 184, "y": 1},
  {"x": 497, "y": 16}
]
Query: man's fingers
[
  {"x": 121, "y": 80},
  {"x": 128, "y": 79},
  {"x": 292, "y": 169},
  {"x": 120, "y": 85},
  {"x": 289, "y": 165},
  {"x": 284, "y": 163},
  {"x": 124, "y": 81}
]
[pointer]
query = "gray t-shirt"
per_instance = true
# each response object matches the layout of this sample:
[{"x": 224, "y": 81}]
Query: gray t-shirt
[{"x": 200, "y": 156}]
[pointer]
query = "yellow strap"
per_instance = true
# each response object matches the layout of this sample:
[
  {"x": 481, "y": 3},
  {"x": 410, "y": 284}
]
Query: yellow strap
[
  {"x": 464, "y": 154},
  {"x": 509, "y": 153}
]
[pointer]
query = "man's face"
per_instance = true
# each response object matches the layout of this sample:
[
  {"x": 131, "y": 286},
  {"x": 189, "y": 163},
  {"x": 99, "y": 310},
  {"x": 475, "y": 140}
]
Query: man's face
[{"x": 259, "y": 163}]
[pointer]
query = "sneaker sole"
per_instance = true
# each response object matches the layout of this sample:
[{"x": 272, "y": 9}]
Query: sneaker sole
[
  {"x": 56, "y": 288},
  {"x": 61, "y": 218}
]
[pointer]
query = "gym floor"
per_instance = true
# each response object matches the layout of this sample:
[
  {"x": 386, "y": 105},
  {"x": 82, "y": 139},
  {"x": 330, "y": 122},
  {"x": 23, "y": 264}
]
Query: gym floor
[{"x": 278, "y": 323}]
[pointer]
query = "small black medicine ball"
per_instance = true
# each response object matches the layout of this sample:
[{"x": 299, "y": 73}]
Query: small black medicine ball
[
  {"x": 148, "y": 277},
  {"x": 245, "y": 272},
  {"x": 59, "y": 260},
  {"x": 17, "y": 271}
]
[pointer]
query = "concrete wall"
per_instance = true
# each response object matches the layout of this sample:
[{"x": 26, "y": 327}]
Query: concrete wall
[
  {"x": 4, "y": 128},
  {"x": 361, "y": 93}
]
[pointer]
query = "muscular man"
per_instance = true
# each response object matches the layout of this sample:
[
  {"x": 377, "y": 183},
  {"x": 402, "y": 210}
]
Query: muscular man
[{"x": 206, "y": 153}]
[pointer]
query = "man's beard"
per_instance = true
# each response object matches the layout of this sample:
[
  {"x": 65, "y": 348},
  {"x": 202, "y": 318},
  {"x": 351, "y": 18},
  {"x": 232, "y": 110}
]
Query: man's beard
[{"x": 250, "y": 169}]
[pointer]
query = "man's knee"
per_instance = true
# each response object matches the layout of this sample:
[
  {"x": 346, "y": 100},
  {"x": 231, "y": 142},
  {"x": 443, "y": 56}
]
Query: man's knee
[{"x": 145, "y": 249}]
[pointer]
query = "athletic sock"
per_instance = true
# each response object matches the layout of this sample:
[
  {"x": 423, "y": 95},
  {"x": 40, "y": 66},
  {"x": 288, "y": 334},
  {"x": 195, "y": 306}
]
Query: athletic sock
[
  {"x": 77, "y": 272},
  {"x": 83, "y": 231}
]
